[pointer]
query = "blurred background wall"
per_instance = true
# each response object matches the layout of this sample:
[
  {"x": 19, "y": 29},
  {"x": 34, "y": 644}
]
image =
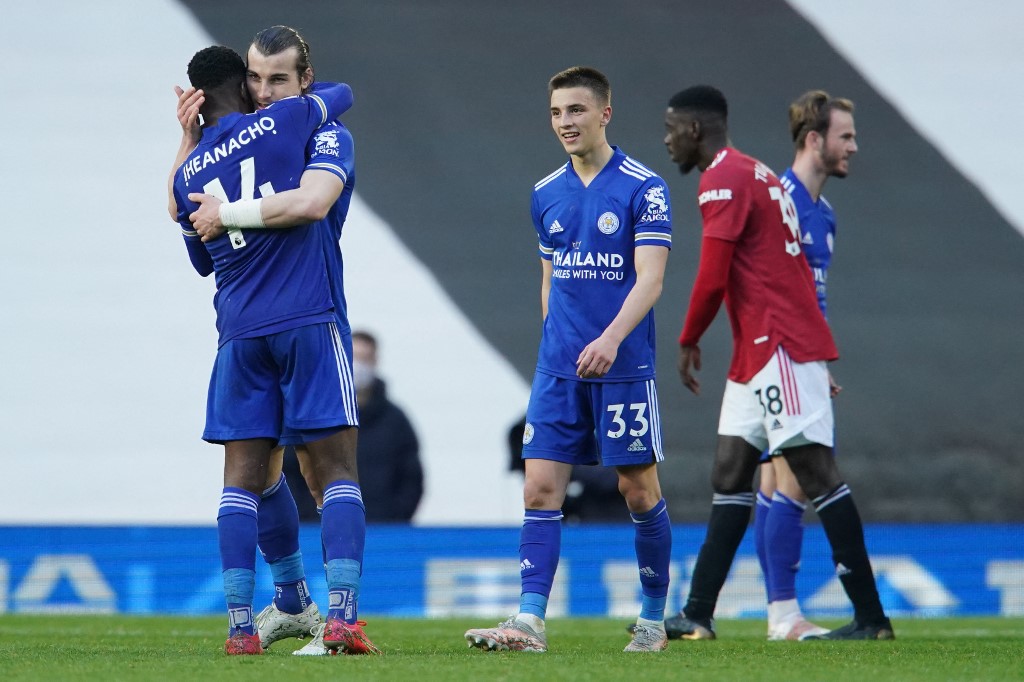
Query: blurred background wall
[{"x": 107, "y": 338}]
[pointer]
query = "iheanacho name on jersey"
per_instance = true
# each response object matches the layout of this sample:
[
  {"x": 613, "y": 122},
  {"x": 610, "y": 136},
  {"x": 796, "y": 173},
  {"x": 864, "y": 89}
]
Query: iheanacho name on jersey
[{"x": 195, "y": 164}]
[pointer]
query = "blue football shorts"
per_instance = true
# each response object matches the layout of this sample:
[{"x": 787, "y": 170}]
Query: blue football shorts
[
  {"x": 294, "y": 386},
  {"x": 589, "y": 422}
]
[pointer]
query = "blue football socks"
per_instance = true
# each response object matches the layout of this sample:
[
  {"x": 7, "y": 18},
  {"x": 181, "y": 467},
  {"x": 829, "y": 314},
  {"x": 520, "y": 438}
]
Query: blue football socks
[
  {"x": 236, "y": 531},
  {"x": 344, "y": 536},
  {"x": 540, "y": 543},
  {"x": 783, "y": 539},
  {"x": 279, "y": 542},
  {"x": 653, "y": 542},
  {"x": 762, "y": 503}
]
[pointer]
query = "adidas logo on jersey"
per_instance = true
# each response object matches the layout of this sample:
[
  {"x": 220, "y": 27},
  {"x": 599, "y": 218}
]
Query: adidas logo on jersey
[
  {"x": 648, "y": 572},
  {"x": 555, "y": 227},
  {"x": 842, "y": 570},
  {"x": 807, "y": 239},
  {"x": 525, "y": 564},
  {"x": 637, "y": 446},
  {"x": 776, "y": 425}
]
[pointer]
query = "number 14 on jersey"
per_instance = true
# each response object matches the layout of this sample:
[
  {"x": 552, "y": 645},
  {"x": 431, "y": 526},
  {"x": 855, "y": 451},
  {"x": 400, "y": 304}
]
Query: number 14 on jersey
[{"x": 248, "y": 191}]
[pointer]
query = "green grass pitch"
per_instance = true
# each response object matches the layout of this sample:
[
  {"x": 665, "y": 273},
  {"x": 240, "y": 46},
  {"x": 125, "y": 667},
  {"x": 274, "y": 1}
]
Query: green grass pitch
[{"x": 171, "y": 648}]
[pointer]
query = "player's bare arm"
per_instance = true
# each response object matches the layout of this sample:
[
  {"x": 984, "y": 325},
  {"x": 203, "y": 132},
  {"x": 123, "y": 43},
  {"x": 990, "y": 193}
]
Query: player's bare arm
[
  {"x": 689, "y": 361},
  {"x": 599, "y": 355},
  {"x": 318, "y": 190},
  {"x": 833, "y": 386},
  {"x": 545, "y": 286}
]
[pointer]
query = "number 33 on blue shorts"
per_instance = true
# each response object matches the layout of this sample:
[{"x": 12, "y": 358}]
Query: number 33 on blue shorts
[{"x": 590, "y": 422}]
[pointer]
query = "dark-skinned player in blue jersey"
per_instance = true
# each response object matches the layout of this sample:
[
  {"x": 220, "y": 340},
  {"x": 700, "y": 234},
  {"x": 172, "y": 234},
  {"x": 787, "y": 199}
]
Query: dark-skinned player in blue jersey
[
  {"x": 279, "y": 66},
  {"x": 277, "y": 370}
]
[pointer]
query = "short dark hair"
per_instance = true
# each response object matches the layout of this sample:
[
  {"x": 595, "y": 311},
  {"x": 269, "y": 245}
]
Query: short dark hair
[
  {"x": 812, "y": 111},
  {"x": 702, "y": 99},
  {"x": 583, "y": 77},
  {"x": 366, "y": 337},
  {"x": 277, "y": 39},
  {"x": 213, "y": 67}
]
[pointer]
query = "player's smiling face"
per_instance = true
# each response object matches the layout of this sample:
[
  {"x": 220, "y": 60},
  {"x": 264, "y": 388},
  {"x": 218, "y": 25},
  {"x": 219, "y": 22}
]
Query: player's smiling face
[
  {"x": 840, "y": 143},
  {"x": 579, "y": 120},
  {"x": 274, "y": 77}
]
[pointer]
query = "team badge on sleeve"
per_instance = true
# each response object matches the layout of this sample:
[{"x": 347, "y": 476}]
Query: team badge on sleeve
[
  {"x": 326, "y": 142},
  {"x": 608, "y": 222},
  {"x": 528, "y": 434},
  {"x": 657, "y": 207}
]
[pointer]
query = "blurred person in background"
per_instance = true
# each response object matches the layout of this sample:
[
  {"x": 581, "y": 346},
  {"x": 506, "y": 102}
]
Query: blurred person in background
[{"x": 388, "y": 451}]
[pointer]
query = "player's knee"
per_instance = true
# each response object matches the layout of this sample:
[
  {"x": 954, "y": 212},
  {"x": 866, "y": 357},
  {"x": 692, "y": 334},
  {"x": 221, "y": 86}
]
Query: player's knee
[
  {"x": 639, "y": 499},
  {"x": 313, "y": 483},
  {"x": 736, "y": 462},
  {"x": 820, "y": 483},
  {"x": 541, "y": 494},
  {"x": 815, "y": 470},
  {"x": 730, "y": 481},
  {"x": 539, "y": 500}
]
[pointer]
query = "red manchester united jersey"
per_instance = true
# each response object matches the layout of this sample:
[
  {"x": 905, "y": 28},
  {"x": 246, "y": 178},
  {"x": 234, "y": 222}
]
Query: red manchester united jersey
[{"x": 770, "y": 293}]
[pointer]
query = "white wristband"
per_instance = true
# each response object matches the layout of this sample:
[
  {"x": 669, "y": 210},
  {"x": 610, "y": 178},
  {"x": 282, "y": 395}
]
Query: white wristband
[{"x": 245, "y": 213}]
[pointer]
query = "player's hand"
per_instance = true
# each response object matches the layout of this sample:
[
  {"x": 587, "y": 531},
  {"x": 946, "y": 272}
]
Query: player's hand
[
  {"x": 833, "y": 386},
  {"x": 206, "y": 218},
  {"x": 597, "y": 358},
  {"x": 189, "y": 102},
  {"x": 689, "y": 360}
]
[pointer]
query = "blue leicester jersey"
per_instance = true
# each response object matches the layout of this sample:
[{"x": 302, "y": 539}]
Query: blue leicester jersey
[
  {"x": 267, "y": 280},
  {"x": 590, "y": 233},
  {"x": 817, "y": 231},
  {"x": 331, "y": 149}
]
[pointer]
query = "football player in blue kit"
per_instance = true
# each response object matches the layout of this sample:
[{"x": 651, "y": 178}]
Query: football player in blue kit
[
  {"x": 278, "y": 371},
  {"x": 825, "y": 138},
  {"x": 604, "y": 226},
  {"x": 278, "y": 67}
]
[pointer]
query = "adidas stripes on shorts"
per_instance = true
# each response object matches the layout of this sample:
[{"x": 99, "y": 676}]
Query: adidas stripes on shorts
[{"x": 293, "y": 384}]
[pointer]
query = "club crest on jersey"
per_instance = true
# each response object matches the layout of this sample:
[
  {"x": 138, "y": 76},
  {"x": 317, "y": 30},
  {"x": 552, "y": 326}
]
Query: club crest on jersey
[
  {"x": 326, "y": 142},
  {"x": 608, "y": 223},
  {"x": 528, "y": 434},
  {"x": 657, "y": 207}
]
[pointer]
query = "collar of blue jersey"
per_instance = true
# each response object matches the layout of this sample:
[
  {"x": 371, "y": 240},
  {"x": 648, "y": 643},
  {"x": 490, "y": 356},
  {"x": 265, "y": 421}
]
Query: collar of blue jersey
[
  {"x": 617, "y": 156},
  {"x": 798, "y": 184},
  {"x": 222, "y": 127}
]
